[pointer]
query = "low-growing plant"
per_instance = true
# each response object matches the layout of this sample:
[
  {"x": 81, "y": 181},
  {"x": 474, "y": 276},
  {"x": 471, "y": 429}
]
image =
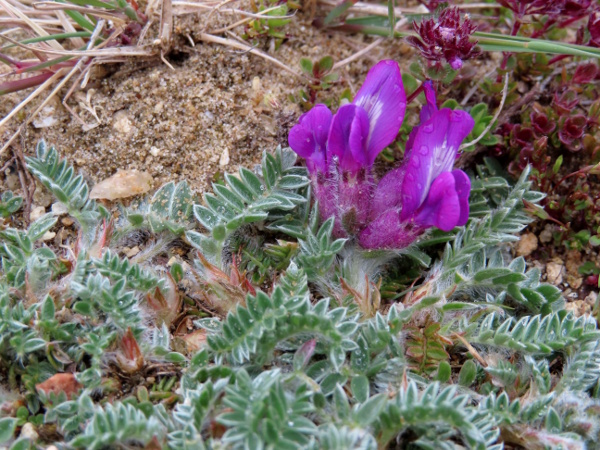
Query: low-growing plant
[{"x": 302, "y": 351}]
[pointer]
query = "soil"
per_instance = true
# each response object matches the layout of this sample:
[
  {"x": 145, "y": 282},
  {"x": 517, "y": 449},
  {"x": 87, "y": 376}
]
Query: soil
[{"x": 217, "y": 109}]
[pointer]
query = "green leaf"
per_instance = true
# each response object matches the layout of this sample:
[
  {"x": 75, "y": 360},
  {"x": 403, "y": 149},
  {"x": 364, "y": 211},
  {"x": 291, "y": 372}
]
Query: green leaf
[
  {"x": 38, "y": 228},
  {"x": 325, "y": 64},
  {"x": 360, "y": 388},
  {"x": 467, "y": 373},
  {"x": 175, "y": 357},
  {"x": 444, "y": 372},
  {"x": 7, "y": 428},
  {"x": 84, "y": 308},
  {"x": 59, "y": 177},
  {"x": 369, "y": 411},
  {"x": 307, "y": 66}
]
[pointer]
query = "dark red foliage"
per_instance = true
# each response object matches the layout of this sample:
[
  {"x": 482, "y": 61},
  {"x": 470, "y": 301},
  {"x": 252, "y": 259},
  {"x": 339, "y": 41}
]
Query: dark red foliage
[
  {"x": 542, "y": 124},
  {"x": 594, "y": 29},
  {"x": 585, "y": 73},
  {"x": 432, "y": 5},
  {"x": 565, "y": 102},
  {"x": 446, "y": 38},
  {"x": 571, "y": 130},
  {"x": 521, "y": 136},
  {"x": 555, "y": 8}
]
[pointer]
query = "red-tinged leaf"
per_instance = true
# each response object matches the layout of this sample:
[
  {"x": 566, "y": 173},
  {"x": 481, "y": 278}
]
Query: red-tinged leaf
[
  {"x": 130, "y": 357},
  {"x": 60, "y": 382}
]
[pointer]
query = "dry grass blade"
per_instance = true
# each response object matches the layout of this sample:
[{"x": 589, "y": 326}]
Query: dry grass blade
[
  {"x": 368, "y": 48},
  {"x": 238, "y": 45},
  {"x": 52, "y": 6},
  {"x": 493, "y": 122},
  {"x": 16, "y": 12}
]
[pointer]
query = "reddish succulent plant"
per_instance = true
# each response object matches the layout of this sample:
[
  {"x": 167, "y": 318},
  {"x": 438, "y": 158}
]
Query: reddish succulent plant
[
  {"x": 568, "y": 8},
  {"x": 571, "y": 131},
  {"x": 594, "y": 29}
]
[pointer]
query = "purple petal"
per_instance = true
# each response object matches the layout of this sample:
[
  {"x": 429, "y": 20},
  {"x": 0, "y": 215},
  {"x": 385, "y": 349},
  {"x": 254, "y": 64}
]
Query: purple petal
[
  {"x": 463, "y": 189},
  {"x": 382, "y": 97},
  {"x": 309, "y": 137},
  {"x": 347, "y": 138},
  {"x": 442, "y": 207},
  {"x": 434, "y": 150},
  {"x": 428, "y": 110},
  {"x": 430, "y": 107}
]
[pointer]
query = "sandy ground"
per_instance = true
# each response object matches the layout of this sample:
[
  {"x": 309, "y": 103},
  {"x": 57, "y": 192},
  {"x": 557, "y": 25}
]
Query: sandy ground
[{"x": 217, "y": 110}]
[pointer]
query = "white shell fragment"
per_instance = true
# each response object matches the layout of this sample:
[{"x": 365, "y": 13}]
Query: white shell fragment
[{"x": 123, "y": 184}]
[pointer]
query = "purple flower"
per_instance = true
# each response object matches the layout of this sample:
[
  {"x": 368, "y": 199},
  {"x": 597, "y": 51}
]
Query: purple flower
[
  {"x": 446, "y": 38},
  {"x": 424, "y": 191},
  {"x": 433, "y": 153},
  {"x": 340, "y": 150},
  {"x": 309, "y": 137},
  {"x": 359, "y": 131}
]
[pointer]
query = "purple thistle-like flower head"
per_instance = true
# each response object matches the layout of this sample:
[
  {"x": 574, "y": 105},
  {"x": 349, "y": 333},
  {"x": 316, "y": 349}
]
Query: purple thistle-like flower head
[{"x": 446, "y": 38}]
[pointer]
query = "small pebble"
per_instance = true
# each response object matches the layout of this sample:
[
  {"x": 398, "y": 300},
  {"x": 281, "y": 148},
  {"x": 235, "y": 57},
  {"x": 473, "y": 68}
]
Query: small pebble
[
  {"x": 48, "y": 236},
  {"x": 42, "y": 197},
  {"x": 58, "y": 209},
  {"x": 172, "y": 261},
  {"x": 46, "y": 118},
  {"x": 574, "y": 282},
  {"x": 67, "y": 221},
  {"x": 37, "y": 212},
  {"x": 121, "y": 122},
  {"x": 224, "y": 160},
  {"x": 554, "y": 273},
  {"x": 546, "y": 234},
  {"x": 527, "y": 244},
  {"x": 591, "y": 298},
  {"x": 28, "y": 431},
  {"x": 131, "y": 252}
]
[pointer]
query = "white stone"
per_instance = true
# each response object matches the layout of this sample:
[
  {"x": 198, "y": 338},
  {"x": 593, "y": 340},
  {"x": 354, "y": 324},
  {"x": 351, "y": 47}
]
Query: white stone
[
  {"x": 45, "y": 118},
  {"x": 37, "y": 212},
  {"x": 121, "y": 122},
  {"x": 527, "y": 244},
  {"x": 123, "y": 184},
  {"x": 59, "y": 209},
  {"x": 224, "y": 160},
  {"x": 48, "y": 236},
  {"x": 554, "y": 272},
  {"x": 28, "y": 431},
  {"x": 130, "y": 253}
]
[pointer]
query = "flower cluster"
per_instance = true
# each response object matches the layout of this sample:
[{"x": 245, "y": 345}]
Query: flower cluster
[
  {"x": 446, "y": 38},
  {"x": 340, "y": 151}
]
